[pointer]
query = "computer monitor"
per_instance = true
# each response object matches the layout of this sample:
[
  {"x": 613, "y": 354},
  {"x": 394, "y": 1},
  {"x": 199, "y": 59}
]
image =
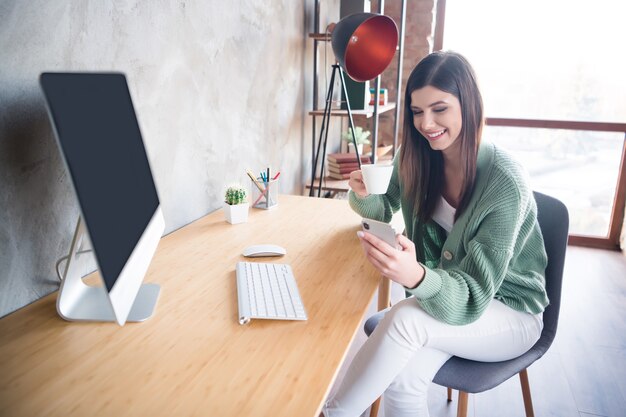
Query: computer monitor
[{"x": 98, "y": 134}]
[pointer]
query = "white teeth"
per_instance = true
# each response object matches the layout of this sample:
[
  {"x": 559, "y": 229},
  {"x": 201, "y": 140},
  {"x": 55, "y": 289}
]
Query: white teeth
[{"x": 434, "y": 135}]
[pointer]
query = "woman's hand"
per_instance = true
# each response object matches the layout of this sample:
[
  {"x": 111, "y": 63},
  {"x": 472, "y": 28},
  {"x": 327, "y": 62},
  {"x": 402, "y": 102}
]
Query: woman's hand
[
  {"x": 356, "y": 183},
  {"x": 399, "y": 265}
]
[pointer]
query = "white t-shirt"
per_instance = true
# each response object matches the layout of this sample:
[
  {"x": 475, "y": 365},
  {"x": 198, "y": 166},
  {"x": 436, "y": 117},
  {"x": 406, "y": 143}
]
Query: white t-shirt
[{"x": 444, "y": 214}]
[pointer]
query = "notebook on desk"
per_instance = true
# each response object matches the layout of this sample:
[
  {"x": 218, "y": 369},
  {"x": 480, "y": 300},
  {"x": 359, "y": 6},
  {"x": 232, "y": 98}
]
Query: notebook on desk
[{"x": 268, "y": 291}]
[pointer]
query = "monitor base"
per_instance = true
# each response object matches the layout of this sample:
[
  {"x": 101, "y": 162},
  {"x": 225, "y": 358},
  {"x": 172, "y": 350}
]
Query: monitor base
[
  {"x": 93, "y": 305},
  {"x": 80, "y": 302}
]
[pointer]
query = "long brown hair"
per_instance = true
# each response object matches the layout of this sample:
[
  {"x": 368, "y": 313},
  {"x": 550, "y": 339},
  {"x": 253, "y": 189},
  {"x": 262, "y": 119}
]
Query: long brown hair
[{"x": 421, "y": 167}]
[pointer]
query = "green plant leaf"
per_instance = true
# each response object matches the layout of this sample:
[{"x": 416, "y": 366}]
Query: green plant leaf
[{"x": 359, "y": 134}]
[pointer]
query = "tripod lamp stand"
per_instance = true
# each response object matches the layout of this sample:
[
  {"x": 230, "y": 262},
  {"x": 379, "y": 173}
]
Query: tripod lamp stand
[{"x": 363, "y": 44}]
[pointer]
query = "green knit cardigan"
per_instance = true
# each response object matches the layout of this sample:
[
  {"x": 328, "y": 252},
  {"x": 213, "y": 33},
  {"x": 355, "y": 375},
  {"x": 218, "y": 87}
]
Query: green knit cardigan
[{"x": 494, "y": 250}]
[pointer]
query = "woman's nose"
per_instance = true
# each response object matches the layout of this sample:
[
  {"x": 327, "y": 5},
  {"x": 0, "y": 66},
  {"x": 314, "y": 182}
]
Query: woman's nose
[{"x": 427, "y": 122}]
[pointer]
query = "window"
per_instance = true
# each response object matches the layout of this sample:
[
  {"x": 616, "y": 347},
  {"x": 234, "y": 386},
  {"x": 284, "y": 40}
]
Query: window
[{"x": 551, "y": 74}]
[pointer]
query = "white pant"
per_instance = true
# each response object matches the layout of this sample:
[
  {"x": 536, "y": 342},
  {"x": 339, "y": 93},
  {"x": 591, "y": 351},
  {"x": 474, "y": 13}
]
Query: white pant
[{"x": 407, "y": 348}]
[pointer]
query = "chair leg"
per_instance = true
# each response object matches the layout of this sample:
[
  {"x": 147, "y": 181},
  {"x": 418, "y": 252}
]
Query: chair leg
[
  {"x": 528, "y": 401},
  {"x": 375, "y": 407},
  {"x": 449, "y": 394},
  {"x": 461, "y": 410}
]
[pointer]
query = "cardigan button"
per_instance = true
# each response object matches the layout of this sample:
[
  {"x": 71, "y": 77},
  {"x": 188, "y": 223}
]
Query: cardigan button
[{"x": 447, "y": 255}]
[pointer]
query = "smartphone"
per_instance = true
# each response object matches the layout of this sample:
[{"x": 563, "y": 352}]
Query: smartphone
[{"x": 383, "y": 231}]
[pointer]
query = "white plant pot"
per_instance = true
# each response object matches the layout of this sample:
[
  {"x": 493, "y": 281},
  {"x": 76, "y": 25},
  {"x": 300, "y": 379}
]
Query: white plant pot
[
  {"x": 237, "y": 213},
  {"x": 351, "y": 148}
]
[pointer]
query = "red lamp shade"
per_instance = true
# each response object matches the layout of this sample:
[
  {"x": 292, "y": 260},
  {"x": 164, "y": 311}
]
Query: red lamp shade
[{"x": 364, "y": 44}]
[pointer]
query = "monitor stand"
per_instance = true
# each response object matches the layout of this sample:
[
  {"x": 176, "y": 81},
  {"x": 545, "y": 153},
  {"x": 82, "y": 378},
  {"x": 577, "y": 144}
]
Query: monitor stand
[{"x": 80, "y": 302}]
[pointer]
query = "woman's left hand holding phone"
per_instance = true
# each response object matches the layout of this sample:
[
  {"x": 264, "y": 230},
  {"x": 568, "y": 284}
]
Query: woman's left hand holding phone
[{"x": 399, "y": 265}]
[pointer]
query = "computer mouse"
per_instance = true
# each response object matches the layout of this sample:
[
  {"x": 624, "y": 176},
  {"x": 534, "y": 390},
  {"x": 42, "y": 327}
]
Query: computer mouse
[{"x": 256, "y": 251}]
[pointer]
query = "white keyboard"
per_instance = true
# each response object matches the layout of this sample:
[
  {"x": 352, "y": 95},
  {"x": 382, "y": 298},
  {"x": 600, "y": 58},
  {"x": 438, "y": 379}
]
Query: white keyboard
[{"x": 267, "y": 291}]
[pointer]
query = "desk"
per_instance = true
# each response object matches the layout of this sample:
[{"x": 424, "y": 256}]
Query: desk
[{"x": 193, "y": 358}]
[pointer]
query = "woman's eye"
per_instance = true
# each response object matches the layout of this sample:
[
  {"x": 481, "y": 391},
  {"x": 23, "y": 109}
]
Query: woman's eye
[
  {"x": 440, "y": 109},
  {"x": 417, "y": 113}
]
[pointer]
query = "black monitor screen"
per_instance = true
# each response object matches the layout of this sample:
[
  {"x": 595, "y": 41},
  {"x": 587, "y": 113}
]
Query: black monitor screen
[{"x": 100, "y": 139}]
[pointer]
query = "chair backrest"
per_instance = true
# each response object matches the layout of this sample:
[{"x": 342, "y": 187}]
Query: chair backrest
[{"x": 553, "y": 220}]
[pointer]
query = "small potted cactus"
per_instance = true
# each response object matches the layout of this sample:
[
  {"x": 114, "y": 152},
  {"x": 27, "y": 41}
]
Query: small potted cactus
[{"x": 236, "y": 204}]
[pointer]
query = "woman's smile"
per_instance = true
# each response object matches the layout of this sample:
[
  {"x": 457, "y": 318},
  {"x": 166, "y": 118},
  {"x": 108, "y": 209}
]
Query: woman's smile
[{"x": 435, "y": 135}]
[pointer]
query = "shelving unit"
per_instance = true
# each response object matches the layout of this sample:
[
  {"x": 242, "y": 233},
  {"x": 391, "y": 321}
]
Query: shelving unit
[{"x": 328, "y": 184}]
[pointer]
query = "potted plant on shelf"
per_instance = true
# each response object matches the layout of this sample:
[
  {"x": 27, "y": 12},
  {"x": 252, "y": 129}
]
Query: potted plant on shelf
[
  {"x": 360, "y": 136},
  {"x": 236, "y": 204}
]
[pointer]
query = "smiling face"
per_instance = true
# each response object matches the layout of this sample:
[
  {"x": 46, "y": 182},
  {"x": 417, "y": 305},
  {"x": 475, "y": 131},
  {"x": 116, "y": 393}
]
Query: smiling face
[{"x": 437, "y": 116}]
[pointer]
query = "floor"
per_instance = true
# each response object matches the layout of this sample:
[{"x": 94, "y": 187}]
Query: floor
[{"x": 584, "y": 372}]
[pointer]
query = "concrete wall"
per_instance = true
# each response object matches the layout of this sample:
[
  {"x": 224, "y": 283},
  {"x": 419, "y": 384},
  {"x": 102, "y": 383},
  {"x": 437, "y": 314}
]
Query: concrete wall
[{"x": 218, "y": 87}]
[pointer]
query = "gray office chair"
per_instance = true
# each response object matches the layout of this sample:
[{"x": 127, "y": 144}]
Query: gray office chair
[{"x": 473, "y": 377}]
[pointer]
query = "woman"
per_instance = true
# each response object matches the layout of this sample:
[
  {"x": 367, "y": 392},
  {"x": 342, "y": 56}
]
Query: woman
[{"x": 473, "y": 258}]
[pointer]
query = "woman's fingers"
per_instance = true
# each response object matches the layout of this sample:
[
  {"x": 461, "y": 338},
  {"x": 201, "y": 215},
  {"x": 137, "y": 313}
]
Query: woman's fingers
[
  {"x": 379, "y": 244},
  {"x": 378, "y": 265},
  {"x": 405, "y": 243},
  {"x": 381, "y": 259},
  {"x": 356, "y": 183}
]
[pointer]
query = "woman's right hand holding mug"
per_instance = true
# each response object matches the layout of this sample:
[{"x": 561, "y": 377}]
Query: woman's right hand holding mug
[{"x": 356, "y": 183}]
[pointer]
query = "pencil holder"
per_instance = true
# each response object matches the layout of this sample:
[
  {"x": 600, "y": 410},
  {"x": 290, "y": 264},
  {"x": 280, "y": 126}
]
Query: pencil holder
[{"x": 265, "y": 194}]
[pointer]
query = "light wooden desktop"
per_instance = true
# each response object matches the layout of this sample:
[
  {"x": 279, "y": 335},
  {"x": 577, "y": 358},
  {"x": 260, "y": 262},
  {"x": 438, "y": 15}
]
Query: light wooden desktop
[{"x": 193, "y": 357}]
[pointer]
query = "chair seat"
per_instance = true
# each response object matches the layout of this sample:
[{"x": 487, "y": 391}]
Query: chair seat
[{"x": 474, "y": 377}]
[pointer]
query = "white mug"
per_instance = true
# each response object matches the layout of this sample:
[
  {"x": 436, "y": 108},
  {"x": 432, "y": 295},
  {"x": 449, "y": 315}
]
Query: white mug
[{"x": 376, "y": 178}]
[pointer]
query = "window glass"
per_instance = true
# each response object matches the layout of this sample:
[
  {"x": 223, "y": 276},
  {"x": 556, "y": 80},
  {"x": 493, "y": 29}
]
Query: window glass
[
  {"x": 544, "y": 59},
  {"x": 577, "y": 167}
]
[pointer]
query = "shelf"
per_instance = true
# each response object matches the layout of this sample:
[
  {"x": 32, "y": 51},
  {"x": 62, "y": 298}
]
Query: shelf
[
  {"x": 369, "y": 112},
  {"x": 320, "y": 36},
  {"x": 330, "y": 184}
]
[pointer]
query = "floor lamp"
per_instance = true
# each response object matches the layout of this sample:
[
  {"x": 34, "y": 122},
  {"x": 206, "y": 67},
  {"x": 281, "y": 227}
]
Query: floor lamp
[{"x": 363, "y": 44}]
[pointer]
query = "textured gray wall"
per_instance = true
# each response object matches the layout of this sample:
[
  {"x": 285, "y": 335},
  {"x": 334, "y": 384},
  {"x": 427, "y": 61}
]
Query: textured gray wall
[{"x": 218, "y": 86}]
